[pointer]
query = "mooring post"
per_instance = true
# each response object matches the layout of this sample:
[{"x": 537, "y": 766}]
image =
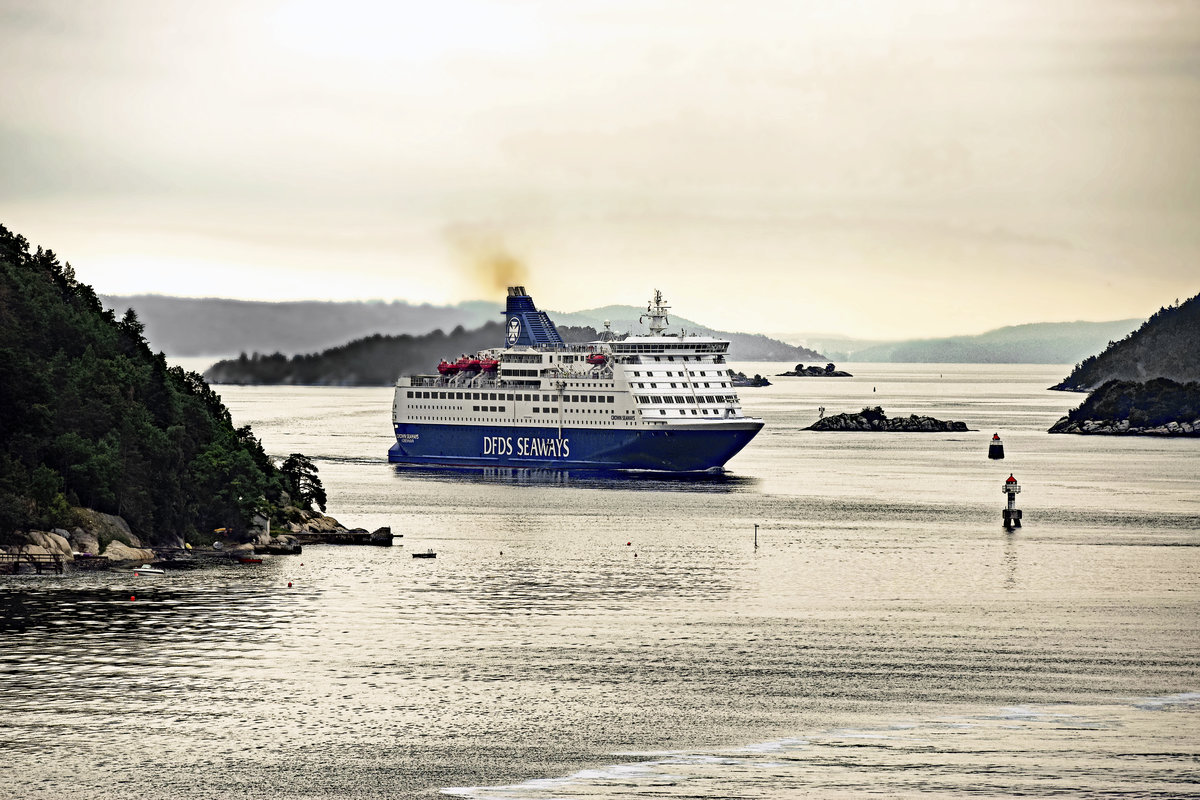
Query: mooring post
[
  {"x": 756, "y": 536},
  {"x": 1012, "y": 514}
]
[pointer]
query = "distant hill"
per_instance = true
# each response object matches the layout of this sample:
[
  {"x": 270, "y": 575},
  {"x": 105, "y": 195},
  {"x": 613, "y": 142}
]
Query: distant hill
[
  {"x": 182, "y": 326},
  {"x": 372, "y": 361},
  {"x": 1166, "y": 346},
  {"x": 189, "y": 326},
  {"x": 742, "y": 346},
  {"x": 1035, "y": 343}
]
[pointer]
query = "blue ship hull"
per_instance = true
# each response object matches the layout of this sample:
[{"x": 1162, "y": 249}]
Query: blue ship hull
[{"x": 690, "y": 449}]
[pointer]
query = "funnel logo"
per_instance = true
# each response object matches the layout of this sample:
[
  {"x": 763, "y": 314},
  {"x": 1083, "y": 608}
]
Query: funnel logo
[{"x": 514, "y": 331}]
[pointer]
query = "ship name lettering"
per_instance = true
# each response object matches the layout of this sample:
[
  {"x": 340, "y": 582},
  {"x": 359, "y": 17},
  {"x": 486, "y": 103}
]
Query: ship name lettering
[{"x": 543, "y": 448}]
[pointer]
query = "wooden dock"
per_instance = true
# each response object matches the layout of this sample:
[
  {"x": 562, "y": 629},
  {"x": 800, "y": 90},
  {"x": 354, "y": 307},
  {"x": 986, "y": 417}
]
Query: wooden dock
[
  {"x": 11, "y": 563},
  {"x": 382, "y": 537}
]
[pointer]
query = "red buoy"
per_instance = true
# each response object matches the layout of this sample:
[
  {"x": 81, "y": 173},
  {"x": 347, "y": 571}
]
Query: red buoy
[{"x": 132, "y": 598}]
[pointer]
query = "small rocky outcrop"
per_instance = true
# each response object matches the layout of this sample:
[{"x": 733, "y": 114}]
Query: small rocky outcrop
[
  {"x": 828, "y": 371},
  {"x": 1122, "y": 427},
  {"x": 119, "y": 551},
  {"x": 874, "y": 419},
  {"x": 302, "y": 521},
  {"x": 741, "y": 381}
]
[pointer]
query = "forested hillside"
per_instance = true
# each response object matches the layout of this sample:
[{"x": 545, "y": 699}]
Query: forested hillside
[
  {"x": 373, "y": 361},
  {"x": 1166, "y": 346},
  {"x": 90, "y": 417}
]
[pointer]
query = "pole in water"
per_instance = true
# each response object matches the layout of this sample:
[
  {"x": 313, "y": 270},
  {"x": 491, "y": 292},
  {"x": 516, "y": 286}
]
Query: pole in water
[
  {"x": 756, "y": 536},
  {"x": 996, "y": 447},
  {"x": 1012, "y": 514}
]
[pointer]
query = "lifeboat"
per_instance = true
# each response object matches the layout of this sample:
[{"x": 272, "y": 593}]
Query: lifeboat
[
  {"x": 446, "y": 368},
  {"x": 465, "y": 364},
  {"x": 597, "y": 359},
  {"x": 489, "y": 365}
]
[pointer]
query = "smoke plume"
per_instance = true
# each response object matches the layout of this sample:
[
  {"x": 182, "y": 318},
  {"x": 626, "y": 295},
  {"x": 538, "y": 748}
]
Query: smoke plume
[{"x": 487, "y": 262}]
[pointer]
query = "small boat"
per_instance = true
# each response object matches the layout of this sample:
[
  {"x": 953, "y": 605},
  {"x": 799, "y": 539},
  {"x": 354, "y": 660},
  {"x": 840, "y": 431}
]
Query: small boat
[
  {"x": 597, "y": 359},
  {"x": 146, "y": 569},
  {"x": 465, "y": 364},
  {"x": 446, "y": 368},
  {"x": 426, "y": 554},
  {"x": 489, "y": 364},
  {"x": 249, "y": 560}
]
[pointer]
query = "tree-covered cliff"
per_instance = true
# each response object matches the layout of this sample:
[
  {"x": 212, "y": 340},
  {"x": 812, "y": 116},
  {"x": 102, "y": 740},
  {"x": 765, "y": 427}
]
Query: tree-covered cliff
[
  {"x": 1166, "y": 346},
  {"x": 1161, "y": 407},
  {"x": 90, "y": 417}
]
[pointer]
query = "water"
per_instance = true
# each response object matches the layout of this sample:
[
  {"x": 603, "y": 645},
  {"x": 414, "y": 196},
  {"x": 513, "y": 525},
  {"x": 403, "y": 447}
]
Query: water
[{"x": 585, "y": 636}]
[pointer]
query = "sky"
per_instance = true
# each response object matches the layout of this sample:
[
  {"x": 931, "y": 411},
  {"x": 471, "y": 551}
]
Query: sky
[{"x": 875, "y": 169}]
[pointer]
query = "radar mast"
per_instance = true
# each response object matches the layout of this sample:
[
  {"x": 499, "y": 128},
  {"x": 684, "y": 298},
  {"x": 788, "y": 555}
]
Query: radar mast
[{"x": 656, "y": 312}]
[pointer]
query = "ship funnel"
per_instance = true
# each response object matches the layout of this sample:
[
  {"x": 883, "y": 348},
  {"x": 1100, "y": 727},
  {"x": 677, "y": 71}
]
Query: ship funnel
[{"x": 524, "y": 324}]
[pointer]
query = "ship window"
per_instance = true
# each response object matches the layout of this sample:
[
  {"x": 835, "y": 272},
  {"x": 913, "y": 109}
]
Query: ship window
[
  {"x": 693, "y": 411},
  {"x": 474, "y": 408},
  {"x": 502, "y": 408},
  {"x": 672, "y": 386},
  {"x": 679, "y": 399},
  {"x": 662, "y": 411},
  {"x": 410, "y": 395},
  {"x": 591, "y": 398},
  {"x": 536, "y": 410}
]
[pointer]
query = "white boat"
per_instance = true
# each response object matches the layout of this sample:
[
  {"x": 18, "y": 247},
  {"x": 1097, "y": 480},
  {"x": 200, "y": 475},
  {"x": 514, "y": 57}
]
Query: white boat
[{"x": 146, "y": 569}]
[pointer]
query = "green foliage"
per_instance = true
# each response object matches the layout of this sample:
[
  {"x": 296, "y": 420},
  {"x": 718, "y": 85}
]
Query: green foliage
[
  {"x": 1166, "y": 346},
  {"x": 92, "y": 417},
  {"x": 875, "y": 413},
  {"x": 299, "y": 475},
  {"x": 1145, "y": 405}
]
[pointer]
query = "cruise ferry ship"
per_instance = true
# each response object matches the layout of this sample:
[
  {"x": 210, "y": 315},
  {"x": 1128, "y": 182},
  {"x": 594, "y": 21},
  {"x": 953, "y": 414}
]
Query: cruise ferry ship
[{"x": 659, "y": 402}]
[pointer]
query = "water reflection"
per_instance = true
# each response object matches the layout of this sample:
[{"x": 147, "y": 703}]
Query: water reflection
[{"x": 716, "y": 482}]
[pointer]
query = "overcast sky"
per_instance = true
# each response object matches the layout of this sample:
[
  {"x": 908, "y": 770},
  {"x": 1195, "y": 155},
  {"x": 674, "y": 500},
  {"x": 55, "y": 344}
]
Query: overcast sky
[{"x": 879, "y": 169}]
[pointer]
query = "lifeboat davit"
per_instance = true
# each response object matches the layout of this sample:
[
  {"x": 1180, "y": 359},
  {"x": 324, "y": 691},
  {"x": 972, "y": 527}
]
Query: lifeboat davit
[
  {"x": 446, "y": 368},
  {"x": 465, "y": 364},
  {"x": 489, "y": 365},
  {"x": 597, "y": 359}
]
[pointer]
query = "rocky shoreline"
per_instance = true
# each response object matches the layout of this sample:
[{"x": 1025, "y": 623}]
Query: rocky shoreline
[
  {"x": 874, "y": 419},
  {"x": 106, "y": 539},
  {"x": 1121, "y": 427}
]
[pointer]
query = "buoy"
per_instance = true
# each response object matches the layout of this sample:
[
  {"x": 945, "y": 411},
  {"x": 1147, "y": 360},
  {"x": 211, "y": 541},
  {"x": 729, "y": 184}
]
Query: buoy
[
  {"x": 627, "y": 544},
  {"x": 289, "y": 584},
  {"x": 996, "y": 448},
  {"x": 1012, "y": 514},
  {"x": 132, "y": 598}
]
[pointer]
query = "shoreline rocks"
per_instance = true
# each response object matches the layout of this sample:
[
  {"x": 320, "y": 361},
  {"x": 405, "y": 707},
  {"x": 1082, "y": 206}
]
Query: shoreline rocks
[
  {"x": 104, "y": 539},
  {"x": 875, "y": 420},
  {"x": 1121, "y": 427}
]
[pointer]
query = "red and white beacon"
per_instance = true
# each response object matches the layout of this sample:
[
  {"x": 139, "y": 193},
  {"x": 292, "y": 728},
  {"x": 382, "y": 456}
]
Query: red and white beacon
[{"x": 1012, "y": 514}]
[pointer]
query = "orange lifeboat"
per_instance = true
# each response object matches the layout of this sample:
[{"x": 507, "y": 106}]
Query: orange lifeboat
[
  {"x": 465, "y": 364},
  {"x": 597, "y": 359},
  {"x": 446, "y": 368},
  {"x": 489, "y": 365}
]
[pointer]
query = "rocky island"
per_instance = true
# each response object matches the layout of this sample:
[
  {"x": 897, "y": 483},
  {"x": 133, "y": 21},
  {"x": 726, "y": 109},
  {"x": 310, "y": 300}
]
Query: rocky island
[
  {"x": 829, "y": 371},
  {"x": 740, "y": 380},
  {"x": 1160, "y": 407},
  {"x": 874, "y": 419}
]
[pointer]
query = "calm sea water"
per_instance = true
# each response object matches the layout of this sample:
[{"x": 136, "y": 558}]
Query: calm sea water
[{"x": 584, "y": 636}]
